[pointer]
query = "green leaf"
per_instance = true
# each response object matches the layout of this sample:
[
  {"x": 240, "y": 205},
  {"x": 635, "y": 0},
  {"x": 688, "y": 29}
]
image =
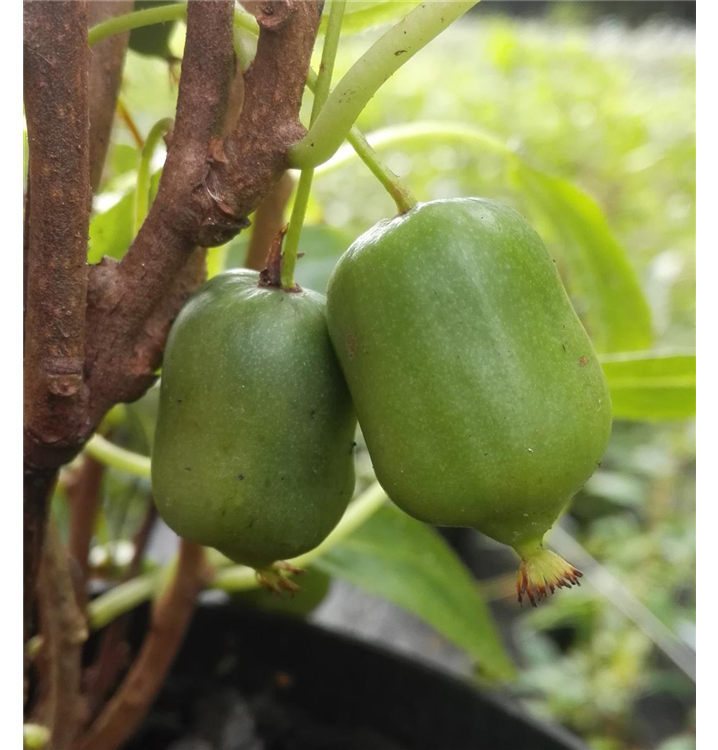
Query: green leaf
[
  {"x": 408, "y": 563},
  {"x": 111, "y": 230},
  {"x": 651, "y": 386},
  {"x": 322, "y": 246},
  {"x": 360, "y": 16},
  {"x": 617, "y": 314}
]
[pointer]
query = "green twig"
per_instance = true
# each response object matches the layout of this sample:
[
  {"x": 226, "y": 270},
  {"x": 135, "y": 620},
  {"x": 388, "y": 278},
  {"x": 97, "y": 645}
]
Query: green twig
[
  {"x": 366, "y": 76},
  {"x": 241, "y": 578},
  {"x": 131, "y": 594},
  {"x": 142, "y": 192},
  {"x": 161, "y": 14},
  {"x": 321, "y": 92},
  {"x": 118, "y": 458},
  {"x": 122, "y": 598}
]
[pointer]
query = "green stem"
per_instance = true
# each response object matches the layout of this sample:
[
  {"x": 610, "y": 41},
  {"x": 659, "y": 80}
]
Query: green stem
[
  {"x": 366, "y": 76},
  {"x": 123, "y": 598},
  {"x": 134, "y": 20},
  {"x": 402, "y": 196},
  {"x": 304, "y": 188},
  {"x": 142, "y": 192},
  {"x": 360, "y": 147},
  {"x": 149, "y": 16},
  {"x": 131, "y": 594},
  {"x": 296, "y": 221},
  {"x": 118, "y": 458}
]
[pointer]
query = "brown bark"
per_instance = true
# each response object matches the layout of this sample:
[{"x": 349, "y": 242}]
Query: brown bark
[
  {"x": 37, "y": 490},
  {"x": 92, "y": 343},
  {"x": 56, "y": 65},
  {"x": 113, "y": 653},
  {"x": 207, "y": 190},
  {"x": 83, "y": 494},
  {"x": 106, "y": 64},
  {"x": 64, "y": 633},
  {"x": 57, "y": 218},
  {"x": 170, "y": 619},
  {"x": 208, "y": 186}
]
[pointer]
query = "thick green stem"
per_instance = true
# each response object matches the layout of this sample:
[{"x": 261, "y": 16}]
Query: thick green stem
[
  {"x": 131, "y": 594},
  {"x": 304, "y": 188},
  {"x": 160, "y": 14},
  {"x": 142, "y": 192},
  {"x": 366, "y": 76}
]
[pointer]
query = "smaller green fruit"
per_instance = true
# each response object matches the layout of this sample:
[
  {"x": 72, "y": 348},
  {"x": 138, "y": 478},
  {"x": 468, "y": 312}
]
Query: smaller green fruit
[
  {"x": 253, "y": 452},
  {"x": 313, "y": 587}
]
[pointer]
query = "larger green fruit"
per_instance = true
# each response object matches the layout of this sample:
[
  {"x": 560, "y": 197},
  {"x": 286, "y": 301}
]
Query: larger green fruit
[
  {"x": 477, "y": 389},
  {"x": 253, "y": 449}
]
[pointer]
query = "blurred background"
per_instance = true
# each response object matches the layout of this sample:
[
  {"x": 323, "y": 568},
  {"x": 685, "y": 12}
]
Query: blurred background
[{"x": 602, "y": 95}]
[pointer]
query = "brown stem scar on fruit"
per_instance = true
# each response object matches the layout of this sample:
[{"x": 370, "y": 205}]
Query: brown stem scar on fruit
[
  {"x": 542, "y": 573},
  {"x": 351, "y": 344},
  {"x": 274, "y": 578}
]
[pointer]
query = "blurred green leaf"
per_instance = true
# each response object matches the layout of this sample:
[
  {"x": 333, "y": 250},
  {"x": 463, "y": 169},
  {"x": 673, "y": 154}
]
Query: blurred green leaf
[
  {"x": 618, "y": 315},
  {"x": 322, "y": 246},
  {"x": 111, "y": 231},
  {"x": 616, "y": 486},
  {"x": 408, "y": 563},
  {"x": 123, "y": 158},
  {"x": 651, "y": 386},
  {"x": 360, "y": 16}
]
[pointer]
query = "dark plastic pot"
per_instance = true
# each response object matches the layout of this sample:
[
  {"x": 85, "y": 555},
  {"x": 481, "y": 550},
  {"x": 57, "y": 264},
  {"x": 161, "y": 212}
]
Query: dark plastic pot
[{"x": 245, "y": 680}]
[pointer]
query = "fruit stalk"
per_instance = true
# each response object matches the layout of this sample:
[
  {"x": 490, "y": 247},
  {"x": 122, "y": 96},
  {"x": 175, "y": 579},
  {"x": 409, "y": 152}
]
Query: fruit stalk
[{"x": 402, "y": 196}]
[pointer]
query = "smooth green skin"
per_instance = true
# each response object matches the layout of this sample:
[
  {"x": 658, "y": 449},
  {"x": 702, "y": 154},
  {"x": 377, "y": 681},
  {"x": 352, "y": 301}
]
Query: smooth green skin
[
  {"x": 253, "y": 451},
  {"x": 477, "y": 389}
]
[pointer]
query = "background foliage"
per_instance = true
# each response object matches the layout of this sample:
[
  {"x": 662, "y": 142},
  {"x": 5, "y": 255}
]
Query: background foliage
[{"x": 589, "y": 130}]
